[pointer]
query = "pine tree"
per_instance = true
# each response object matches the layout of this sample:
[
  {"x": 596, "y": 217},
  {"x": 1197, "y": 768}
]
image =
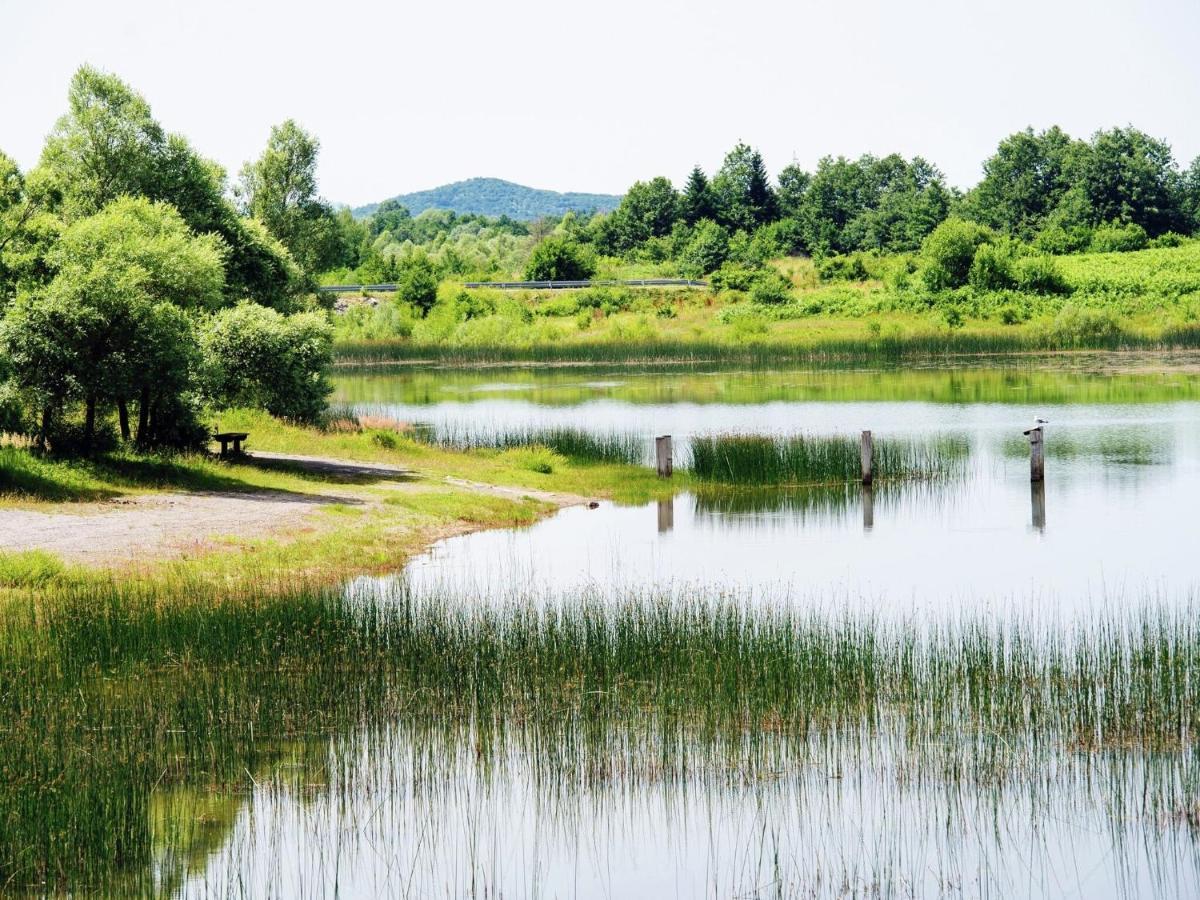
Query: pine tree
[
  {"x": 697, "y": 198},
  {"x": 742, "y": 190}
]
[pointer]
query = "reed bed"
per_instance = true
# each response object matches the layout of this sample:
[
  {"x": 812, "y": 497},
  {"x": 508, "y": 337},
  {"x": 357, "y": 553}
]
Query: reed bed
[
  {"x": 574, "y": 443},
  {"x": 749, "y": 459},
  {"x": 830, "y": 352},
  {"x": 112, "y": 695}
]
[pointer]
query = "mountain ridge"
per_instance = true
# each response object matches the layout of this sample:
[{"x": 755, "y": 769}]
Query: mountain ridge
[{"x": 497, "y": 197}]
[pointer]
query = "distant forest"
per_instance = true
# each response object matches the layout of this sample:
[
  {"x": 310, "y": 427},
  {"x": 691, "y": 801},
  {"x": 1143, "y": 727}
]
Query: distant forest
[{"x": 495, "y": 198}]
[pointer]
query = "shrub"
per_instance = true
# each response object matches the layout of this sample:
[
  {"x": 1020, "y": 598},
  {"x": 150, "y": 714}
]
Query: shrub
[
  {"x": 705, "y": 251},
  {"x": 843, "y": 268},
  {"x": 1039, "y": 274},
  {"x": 1115, "y": 238},
  {"x": 770, "y": 288},
  {"x": 1060, "y": 241},
  {"x": 417, "y": 281},
  {"x": 948, "y": 253},
  {"x": 993, "y": 267},
  {"x": 254, "y": 356},
  {"x": 1080, "y": 326},
  {"x": 1010, "y": 314},
  {"x": 1170, "y": 239},
  {"x": 560, "y": 259},
  {"x": 733, "y": 277}
]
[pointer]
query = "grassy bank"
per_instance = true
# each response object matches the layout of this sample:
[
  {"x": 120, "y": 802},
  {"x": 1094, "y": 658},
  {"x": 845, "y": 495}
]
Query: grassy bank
[
  {"x": 1147, "y": 300},
  {"x": 135, "y": 719}
]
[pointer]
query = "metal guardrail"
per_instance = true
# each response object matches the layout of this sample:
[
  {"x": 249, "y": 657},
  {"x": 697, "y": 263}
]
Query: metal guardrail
[{"x": 528, "y": 285}]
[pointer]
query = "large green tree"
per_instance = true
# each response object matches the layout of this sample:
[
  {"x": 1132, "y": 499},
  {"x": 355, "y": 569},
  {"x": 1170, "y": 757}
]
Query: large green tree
[
  {"x": 1129, "y": 177},
  {"x": 648, "y": 210},
  {"x": 109, "y": 145},
  {"x": 111, "y": 327},
  {"x": 742, "y": 189},
  {"x": 1024, "y": 181},
  {"x": 280, "y": 189}
]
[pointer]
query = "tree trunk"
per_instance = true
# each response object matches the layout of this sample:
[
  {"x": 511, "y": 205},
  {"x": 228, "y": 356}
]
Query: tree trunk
[
  {"x": 44, "y": 434},
  {"x": 89, "y": 425},
  {"x": 143, "y": 432},
  {"x": 123, "y": 415}
]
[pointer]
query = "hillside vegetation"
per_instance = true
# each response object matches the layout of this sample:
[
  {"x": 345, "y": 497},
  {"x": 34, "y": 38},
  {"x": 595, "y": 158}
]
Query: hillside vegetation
[{"x": 496, "y": 197}]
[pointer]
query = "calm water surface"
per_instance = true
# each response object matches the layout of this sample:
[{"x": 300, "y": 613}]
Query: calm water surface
[{"x": 1112, "y": 529}]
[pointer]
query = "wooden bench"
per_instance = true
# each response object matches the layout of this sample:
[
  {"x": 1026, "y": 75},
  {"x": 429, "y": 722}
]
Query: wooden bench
[{"x": 228, "y": 437}]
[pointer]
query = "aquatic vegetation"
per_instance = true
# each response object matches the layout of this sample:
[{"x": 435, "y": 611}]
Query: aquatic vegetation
[
  {"x": 126, "y": 707},
  {"x": 808, "y": 459},
  {"x": 573, "y": 443}
]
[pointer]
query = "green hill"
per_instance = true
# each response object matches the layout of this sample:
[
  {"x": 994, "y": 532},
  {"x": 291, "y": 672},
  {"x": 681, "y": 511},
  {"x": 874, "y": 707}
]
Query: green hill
[{"x": 495, "y": 197}]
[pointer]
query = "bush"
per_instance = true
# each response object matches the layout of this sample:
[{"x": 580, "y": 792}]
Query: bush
[
  {"x": 705, "y": 251},
  {"x": 843, "y": 268},
  {"x": 417, "y": 281},
  {"x": 560, "y": 259},
  {"x": 770, "y": 288},
  {"x": 948, "y": 253},
  {"x": 1039, "y": 274},
  {"x": 993, "y": 267},
  {"x": 1170, "y": 239},
  {"x": 1060, "y": 241},
  {"x": 733, "y": 277},
  {"x": 253, "y": 356},
  {"x": 1079, "y": 326},
  {"x": 1115, "y": 238}
]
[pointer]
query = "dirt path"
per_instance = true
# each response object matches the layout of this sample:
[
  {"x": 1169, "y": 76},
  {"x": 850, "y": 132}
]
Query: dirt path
[{"x": 174, "y": 524}]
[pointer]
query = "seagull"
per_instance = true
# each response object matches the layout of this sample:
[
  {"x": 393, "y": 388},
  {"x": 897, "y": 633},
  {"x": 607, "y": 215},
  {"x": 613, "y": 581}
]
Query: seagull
[{"x": 1037, "y": 423}]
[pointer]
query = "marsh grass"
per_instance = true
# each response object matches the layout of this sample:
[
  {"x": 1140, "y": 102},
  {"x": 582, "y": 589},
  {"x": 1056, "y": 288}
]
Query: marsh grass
[
  {"x": 112, "y": 693},
  {"x": 749, "y": 459},
  {"x": 579, "y": 444}
]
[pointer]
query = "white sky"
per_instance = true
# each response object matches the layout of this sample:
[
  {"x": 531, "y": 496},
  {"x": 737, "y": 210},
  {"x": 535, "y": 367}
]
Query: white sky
[{"x": 563, "y": 95}]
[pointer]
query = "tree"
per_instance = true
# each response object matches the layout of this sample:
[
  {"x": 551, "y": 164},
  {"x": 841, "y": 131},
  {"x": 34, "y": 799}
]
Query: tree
[
  {"x": 110, "y": 327},
  {"x": 254, "y": 356},
  {"x": 417, "y": 280},
  {"x": 108, "y": 145},
  {"x": 1024, "y": 181},
  {"x": 793, "y": 185},
  {"x": 560, "y": 259},
  {"x": 280, "y": 188},
  {"x": 697, "y": 201},
  {"x": 1130, "y": 177},
  {"x": 742, "y": 188},
  {"x": 648, "y": 210},
  {"x": 707, "y": 249}
]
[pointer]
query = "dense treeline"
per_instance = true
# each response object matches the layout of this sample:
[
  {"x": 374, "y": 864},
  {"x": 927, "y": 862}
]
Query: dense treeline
[
  {"x": 1042, "y": 194},
  {"x": 134, "y": 291}
]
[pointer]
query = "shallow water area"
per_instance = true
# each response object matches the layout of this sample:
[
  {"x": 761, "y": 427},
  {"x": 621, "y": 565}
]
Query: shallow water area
[{"x": 922, "y": 795}]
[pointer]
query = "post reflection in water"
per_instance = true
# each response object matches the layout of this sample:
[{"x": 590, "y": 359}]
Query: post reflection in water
[
  {"x": 1037, "y": 493},
  {"x": 666, "y": 515},
  {"x": 868, "y": 507}
]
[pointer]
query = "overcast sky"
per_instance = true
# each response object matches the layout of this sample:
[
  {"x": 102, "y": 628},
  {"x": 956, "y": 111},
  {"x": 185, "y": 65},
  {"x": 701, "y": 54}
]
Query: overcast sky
[{"x": 591, "y": 97}]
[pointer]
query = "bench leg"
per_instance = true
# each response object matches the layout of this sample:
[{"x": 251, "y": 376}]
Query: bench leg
[
  {"x": 224, "y": 449},
  {"x": 237, "y": 446}
]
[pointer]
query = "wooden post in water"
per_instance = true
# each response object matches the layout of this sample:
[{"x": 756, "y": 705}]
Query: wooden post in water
[
  {"x": 868, "y": 507},
  {"x": 662, "y": 456},
  {"x": 867, "y": 449},
  {"x": 1037, "y": 460}
]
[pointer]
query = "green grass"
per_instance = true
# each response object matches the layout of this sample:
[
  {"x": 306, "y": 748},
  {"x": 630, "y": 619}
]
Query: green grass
[
  {"x": 805, "y": 459},
  {"x": 117, "y": 695}
]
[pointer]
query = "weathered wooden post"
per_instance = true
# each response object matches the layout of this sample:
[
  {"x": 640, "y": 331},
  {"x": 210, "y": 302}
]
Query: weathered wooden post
[
  {"x": 662, "y": 456},
  {"x": 868, "y": 506},
  {"x": 1037, "y": 496},
  {"x": 867, "y": 448},
  {"x": 1037, "y": 462},
  {"x": 666, "y": 515}
]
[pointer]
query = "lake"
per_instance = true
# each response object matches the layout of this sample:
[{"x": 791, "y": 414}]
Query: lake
[{"x": 894, "y": 803}]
